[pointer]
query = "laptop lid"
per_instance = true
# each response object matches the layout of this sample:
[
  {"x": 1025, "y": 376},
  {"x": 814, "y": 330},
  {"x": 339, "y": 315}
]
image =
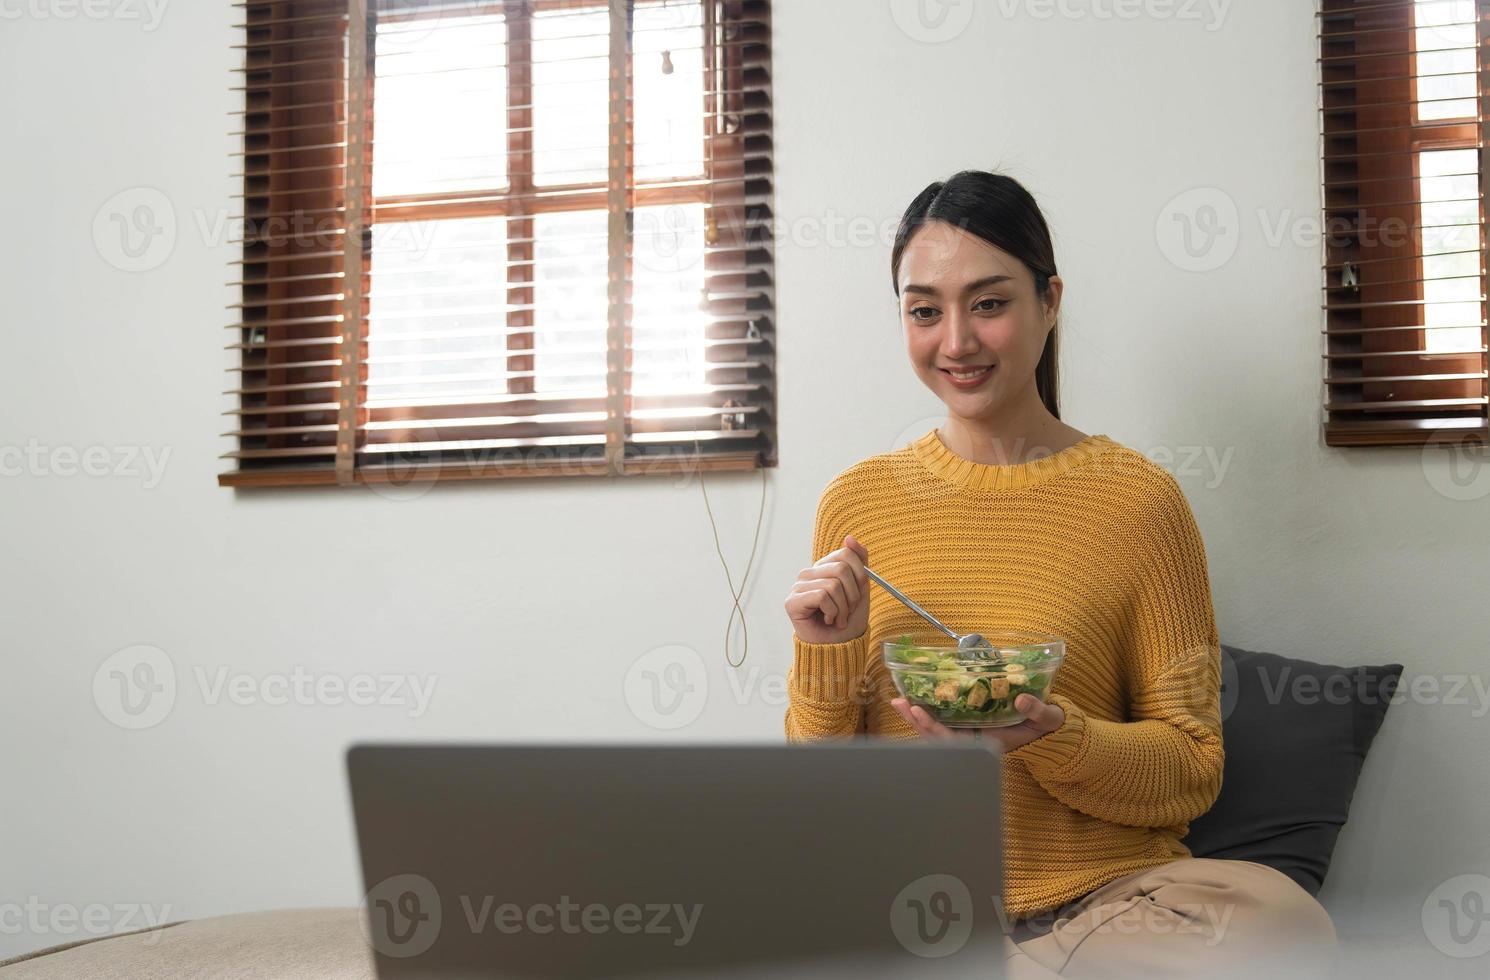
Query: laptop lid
[{"x": 853, "y": 859}]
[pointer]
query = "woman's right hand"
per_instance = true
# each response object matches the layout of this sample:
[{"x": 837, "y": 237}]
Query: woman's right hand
[{"x": 829, "y": 603}]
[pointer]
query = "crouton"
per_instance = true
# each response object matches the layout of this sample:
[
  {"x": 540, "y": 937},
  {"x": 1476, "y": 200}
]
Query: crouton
[{"x": 947, "y": 690}]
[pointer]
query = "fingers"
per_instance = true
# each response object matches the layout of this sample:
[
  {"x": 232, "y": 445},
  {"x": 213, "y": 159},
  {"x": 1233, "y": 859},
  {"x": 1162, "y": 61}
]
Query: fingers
[
  {"x": 928, "y": 725},
  {"x": 853, "y": 553},
  {"x": 919, "y": 719},
  {"x": 824, "y": 596},
  {"x": 835, "y": 588},
  {"x": 847, "y": 565},
  {"x": 844, "y": 573},
  {"x": 1042, "y": 717},
  {"x": 852, "y": 544},
  {"x": 844, "y": 561},
  {"x": 854, "y": 556},
  {"x": 903, "y": 708},
  {"x": 827, "y": 605},
  {"x": 839, "y": 577},
  {"x": 1038, "y": 714}
]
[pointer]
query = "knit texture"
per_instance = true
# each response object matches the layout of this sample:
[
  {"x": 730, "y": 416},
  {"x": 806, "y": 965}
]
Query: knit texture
[{"x": 1095, "y": 544}]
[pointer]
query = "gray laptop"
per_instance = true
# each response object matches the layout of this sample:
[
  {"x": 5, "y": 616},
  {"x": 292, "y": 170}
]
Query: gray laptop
[{"x": 847, "y": 859}]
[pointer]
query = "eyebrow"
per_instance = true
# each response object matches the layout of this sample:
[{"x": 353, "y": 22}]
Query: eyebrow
[{"x": 970, "y": 287}]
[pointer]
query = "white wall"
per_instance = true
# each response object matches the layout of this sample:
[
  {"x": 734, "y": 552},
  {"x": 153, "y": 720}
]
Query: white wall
[{"x": 498, "y": 589}]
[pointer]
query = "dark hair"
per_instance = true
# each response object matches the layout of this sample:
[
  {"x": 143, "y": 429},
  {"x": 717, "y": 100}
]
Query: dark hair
[{"x": 1000, "y": 211}]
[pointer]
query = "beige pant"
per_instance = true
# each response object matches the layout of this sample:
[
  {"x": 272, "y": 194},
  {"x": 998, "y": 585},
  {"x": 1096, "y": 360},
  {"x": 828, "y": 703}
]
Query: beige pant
[{"x": 1194, "y": 917}]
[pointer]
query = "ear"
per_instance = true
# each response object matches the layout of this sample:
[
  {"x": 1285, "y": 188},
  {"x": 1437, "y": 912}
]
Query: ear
[{"x": 1053, "y": 294}]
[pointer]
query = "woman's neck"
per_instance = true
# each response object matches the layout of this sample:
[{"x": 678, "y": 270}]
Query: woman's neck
[{"x": 1025, "y": 432}]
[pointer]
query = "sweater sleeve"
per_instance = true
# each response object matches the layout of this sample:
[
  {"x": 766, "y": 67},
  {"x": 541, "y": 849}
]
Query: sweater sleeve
[
  {"x": 825, "y": 697},
  {"x": 1162, "y": 767}
]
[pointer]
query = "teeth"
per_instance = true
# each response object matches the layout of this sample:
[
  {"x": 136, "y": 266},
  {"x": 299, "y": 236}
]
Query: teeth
[{"x": 968, "y": 375}]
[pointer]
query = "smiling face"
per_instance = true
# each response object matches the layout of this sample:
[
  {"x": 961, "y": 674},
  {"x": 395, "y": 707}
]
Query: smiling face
[{"x": 974, "y": 325}]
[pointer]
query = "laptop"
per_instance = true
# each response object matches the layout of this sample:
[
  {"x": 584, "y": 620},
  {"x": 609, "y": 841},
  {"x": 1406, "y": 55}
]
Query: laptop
[{"x": 860, "y": 859}]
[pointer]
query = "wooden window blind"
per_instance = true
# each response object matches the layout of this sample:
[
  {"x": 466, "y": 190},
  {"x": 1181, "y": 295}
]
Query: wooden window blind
[
  {"x": 1402, "y": 109},
  {"x": 488, "y": 238}
]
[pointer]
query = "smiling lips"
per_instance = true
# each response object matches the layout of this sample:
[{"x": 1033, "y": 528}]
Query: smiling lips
[{"x": 968, "y": 377}]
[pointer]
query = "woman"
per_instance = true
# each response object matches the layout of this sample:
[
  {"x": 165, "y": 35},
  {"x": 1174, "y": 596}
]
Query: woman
[{"x": 1008, "y": 519}]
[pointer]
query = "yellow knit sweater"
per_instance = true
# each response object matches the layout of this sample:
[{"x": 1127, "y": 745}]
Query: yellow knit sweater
[{"x": 1095, "y": 544}]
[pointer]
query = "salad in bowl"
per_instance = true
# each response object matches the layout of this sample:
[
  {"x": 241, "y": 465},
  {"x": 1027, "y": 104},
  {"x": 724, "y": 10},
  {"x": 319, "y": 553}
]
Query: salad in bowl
[{"x": 968, "y": 689}]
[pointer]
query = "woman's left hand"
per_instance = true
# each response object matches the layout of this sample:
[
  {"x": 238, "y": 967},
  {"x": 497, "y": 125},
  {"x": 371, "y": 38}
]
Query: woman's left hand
[{"x": 1040, "y": 719}]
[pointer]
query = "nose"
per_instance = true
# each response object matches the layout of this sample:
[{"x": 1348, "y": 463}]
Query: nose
[{"x": 959, "y": 339}]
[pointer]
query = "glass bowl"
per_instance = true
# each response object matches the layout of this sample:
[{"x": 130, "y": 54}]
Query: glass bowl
[{"x": 967, "y": 692}]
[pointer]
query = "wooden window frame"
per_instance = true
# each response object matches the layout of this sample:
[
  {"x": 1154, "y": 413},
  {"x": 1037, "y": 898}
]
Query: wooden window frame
[
  {"x": 273, "y": 351},
  {"x": 1377, "y": 392}
]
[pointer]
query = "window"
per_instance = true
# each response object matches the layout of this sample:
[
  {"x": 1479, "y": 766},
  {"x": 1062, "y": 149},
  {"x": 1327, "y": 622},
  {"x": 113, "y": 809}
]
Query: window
[
  {"x": 487, "y": 238},
  {"x": 1404, "y": 264}
]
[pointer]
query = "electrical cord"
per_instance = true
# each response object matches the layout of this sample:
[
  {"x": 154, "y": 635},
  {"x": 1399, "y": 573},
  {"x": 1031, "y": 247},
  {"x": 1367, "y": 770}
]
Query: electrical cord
[{"x": 737, "y": 610}]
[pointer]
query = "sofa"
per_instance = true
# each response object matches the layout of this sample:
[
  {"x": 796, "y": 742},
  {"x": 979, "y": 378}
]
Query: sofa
[{"x": 1296, "y": 733}]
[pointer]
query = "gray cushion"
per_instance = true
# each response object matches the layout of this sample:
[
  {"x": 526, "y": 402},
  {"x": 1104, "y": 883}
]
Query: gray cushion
[
  {"x": 314, "y": 944},
  {"x": 1296, "y": 734}
]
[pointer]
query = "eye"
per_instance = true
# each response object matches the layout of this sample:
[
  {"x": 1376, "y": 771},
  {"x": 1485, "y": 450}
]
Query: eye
[
  {"x": 922, "y": 314},
  {"x": 990, "y": 305}
]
